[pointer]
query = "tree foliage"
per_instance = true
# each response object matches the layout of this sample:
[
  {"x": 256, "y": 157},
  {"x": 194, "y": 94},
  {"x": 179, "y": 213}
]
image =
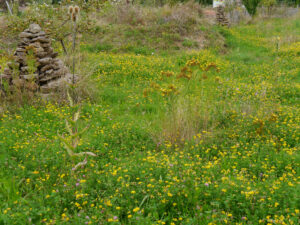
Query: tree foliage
[{"x": 251, "y": 6}]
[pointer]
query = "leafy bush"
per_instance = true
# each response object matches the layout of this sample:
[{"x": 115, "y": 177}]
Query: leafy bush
[
  {"x": 269, "y": 4},
  {"x": 251, "y": 6}
]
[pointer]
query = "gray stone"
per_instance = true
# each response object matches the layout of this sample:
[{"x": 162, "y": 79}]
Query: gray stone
[
  {"x": 26, "y": 35},
  {"x": 48, "y": 78},
  {"x": 25, "y": 41},
  {"x": 42, "y": 33},
  {"x": 20, "y": 60},
  {"x": 41, "y": 39},
  {"x": 34, "y": 28},
  {"x": 24, "y": 68},
  {"x": 20, "y": 54},
  {"x": 61, "y": 71},
  {"x": 20, "y": 50},
  {"x": 53, "y": 85},
  {"x": 49, "y": 50},
  {"x": 46, "y": 45},
  {"x": 46, "y": 67},
  {"x": 35, "y": 45},
  {"x": 29, "y": 76},
  {"x": 49, "y": 72},
  {"x": 45, "y": 61},
  {"x": 54, "y": 54},
  {"x": 41, "y": 75},
  {"x": 40, "y": 53}
]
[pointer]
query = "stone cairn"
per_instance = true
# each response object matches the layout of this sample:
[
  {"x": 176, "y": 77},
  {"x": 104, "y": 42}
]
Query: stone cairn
[
  {"x": 50, "y": 73},
  {"x": 220, "y": 16}
]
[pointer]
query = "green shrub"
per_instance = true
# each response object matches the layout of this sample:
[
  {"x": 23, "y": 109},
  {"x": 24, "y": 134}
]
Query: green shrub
[
  {"x": 269, "y": 4},
  {"x": 251, "y": 6}
]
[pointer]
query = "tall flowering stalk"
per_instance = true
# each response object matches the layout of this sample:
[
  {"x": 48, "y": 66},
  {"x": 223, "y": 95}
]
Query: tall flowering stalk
[
  {"x": 74, "y": 16},
  {"x": 72, "y": 141}
]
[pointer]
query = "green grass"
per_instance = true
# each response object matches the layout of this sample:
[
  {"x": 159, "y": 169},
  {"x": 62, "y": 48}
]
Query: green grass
[{"x": 220, "y": 147}]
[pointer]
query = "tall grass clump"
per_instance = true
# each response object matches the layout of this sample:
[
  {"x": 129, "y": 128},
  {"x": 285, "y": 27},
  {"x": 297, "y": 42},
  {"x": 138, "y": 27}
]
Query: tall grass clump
[
  {"x": 206, "y": 105},
  {"x": 193, "y": 110}
]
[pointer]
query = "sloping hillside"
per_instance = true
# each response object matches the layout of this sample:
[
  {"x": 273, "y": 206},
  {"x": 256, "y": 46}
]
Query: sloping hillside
[{"x": 184, "y": 137}]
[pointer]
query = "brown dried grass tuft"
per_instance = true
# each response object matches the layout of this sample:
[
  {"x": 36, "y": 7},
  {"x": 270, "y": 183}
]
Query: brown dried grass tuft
[{"x": 188, "y": 13}]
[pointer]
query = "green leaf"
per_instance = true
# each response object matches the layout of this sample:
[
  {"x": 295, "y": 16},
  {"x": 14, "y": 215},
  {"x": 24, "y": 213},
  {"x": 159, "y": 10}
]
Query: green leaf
[
  {"x": 143, "y": 201},
  {"x": 67, "y": 145},
  {"x": 78, "y": 134},
  {"x": 69, "y": 128}
]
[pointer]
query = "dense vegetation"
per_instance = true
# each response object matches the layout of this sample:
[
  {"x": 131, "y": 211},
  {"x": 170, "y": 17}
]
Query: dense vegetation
[{"x": 182, "y": 134}]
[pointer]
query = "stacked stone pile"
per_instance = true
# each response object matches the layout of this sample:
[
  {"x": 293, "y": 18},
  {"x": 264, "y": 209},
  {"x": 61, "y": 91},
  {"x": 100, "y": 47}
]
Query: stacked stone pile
[
  {"x": 220, "y": 16},
  {"x": 50, "y": 72}
]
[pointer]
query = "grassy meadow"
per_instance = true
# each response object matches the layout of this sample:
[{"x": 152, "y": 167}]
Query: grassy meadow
[{"x": 182, "y": 135}]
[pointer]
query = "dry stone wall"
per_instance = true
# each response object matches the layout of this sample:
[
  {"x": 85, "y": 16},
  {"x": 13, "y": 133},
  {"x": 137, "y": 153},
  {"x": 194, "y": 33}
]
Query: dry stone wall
[
  {"x": 221, "y": 17},
  {"x": 49, "y": 72}
]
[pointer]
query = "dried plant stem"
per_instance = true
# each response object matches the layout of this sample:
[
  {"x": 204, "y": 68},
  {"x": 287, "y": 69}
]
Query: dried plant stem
[
  {"x": 8, "y": 7},
  {"x": 64, "y": 47},
  {"x": 84, "y": 162},
  {"x": 74, "y": 47}
]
